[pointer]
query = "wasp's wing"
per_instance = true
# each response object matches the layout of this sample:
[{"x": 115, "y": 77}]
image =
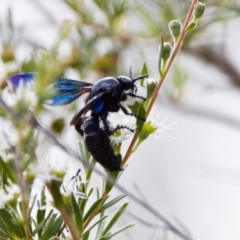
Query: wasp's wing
[
  {"x": 62, "y": 98},
  {"x": 67, "y": 90},
  {"x": 65, "y": 84},
  {"x": 95, "y": 104}
]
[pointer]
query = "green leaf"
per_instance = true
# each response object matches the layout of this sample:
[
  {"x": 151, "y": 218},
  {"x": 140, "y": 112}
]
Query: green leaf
[
  {"x": 53, "y": 225},
  {"x": 118, "y": 231},
  {"x": 142, "y": 113},
  {"x": 100, "y": 226},
  {"x": 38, "y": 227},
  {"x": 10, "y": 19},
  {"x": 10, "y": 225},
  {"x": 41, "y": 219},
  {"x": 82, "y": 187},
  {"x": 139, "y": 109},
  {"x": 96, "y": 223},
  {"x": 191, "y": 26},
  {"x": 78, "y": 215},
  {"x": 57, "y": 197},
  {"x": 160, "y": 56},
  {"x": 31, "y": 220},
  {"x": 144, "y": 69},
  {"x": 108, "y": 185},
  {"x": 32, "y": 205},
  {"x": 113, "y": 201},
  {"x": 87, "y": 156},
  {"x": 82, "y": 201},
  {"x": 114, "y": 218},
  {"x": 88, "y": 170},
  {"x": 94, "y": 206},
  {"x": 83, "y": 150},
  {"x": 7, "y": 172},
  {"x": 151, "y": 85},
  {"x": 86, "y": 236}
]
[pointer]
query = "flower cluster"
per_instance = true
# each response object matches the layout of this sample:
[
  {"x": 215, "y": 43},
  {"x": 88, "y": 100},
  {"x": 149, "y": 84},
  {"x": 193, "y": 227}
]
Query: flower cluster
[
  {"x": 24, "y": 93},
  {"x": 8, "y": 194},
  {"x": 8, "y": 135}
]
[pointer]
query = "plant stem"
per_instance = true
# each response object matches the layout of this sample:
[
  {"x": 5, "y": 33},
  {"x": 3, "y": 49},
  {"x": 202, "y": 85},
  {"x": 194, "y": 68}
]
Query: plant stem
[
  {"x": 135, "y": 137},
  {"x": 174, "y": 53},
  {"x": 68, "y": 223},
  {"x": 22, "y": 185},
  {"x": 66, "y": 219}
]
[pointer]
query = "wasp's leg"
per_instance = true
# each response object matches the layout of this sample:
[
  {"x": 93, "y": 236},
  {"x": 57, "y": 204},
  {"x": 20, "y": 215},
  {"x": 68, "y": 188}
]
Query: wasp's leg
[
  {"x": 124, "y": 96},
  {"x": 130, "y": 113},
  {"x": 122, "y": 127},
  {"x": 109, "y": 131},
  {"x": 79, "y": 124},
  {"x": 136, "y": 96},
  {"x": 78, "y": 129}
]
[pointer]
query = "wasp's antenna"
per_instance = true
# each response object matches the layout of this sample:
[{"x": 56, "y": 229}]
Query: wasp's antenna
[
  {"x": 143, "y": 76},
  {"x": 130, "y": 71}
]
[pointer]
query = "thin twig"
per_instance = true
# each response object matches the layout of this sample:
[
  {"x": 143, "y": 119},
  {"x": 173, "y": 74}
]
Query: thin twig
[{"x": 174, "y": 53}]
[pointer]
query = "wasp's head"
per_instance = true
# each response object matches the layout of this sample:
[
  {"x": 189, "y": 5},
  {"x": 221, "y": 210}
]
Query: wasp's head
[{"x": 126, "y": 82}]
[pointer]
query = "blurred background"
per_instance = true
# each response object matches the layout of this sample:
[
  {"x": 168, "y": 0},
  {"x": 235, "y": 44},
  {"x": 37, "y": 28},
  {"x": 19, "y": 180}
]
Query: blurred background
[{"x": 192, "y": 174}]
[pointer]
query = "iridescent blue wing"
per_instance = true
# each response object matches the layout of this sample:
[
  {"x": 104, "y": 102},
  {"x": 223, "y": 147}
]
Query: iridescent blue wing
[
  {"x": 67, "y": 90},
  {"x": 65, "y": 84}
]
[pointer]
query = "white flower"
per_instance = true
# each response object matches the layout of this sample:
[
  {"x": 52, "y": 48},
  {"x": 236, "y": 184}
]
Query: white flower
[
  {"x": 23, "y": 93},
  {"x": 162, "y": 126},
  {"x": 47, "y": 170},
  {"x": 8, "y": 135},
  {"x": 8, "y": 193},
  {"x": 128, "y": 126}
]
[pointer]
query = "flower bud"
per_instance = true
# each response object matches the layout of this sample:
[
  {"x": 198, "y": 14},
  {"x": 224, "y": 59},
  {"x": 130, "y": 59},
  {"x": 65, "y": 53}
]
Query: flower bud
[
  {"x": 147, "y": 129},
  {"x": 164, "y": 54},
  {"x": 167, "y": 48},
  {"x": 199, "y": 9},
  {"x": 151, "y": 84},
  {"x": 175, "y": 28},
  {"x": 145, "y": 132},
  {"x": 7, "y": 54},
  {"x": 57, "y": 125}
]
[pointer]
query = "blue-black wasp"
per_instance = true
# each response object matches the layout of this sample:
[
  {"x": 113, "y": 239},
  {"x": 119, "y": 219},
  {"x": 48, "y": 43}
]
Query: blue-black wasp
[{"x": 104, "y": 96}]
